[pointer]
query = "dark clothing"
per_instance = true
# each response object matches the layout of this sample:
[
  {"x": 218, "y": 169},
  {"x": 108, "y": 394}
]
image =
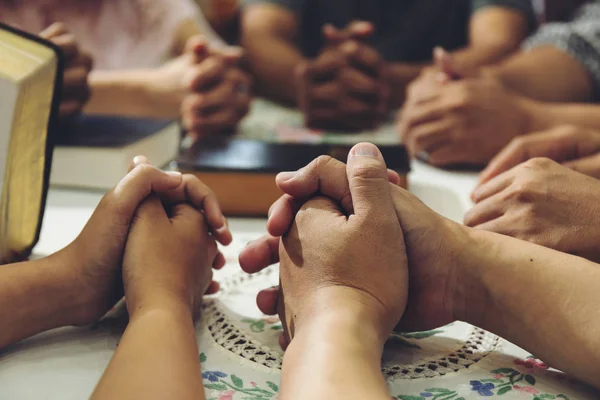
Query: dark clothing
[
  {"x": 406, "y": 30},
  {"x": 580, "y": 38}
]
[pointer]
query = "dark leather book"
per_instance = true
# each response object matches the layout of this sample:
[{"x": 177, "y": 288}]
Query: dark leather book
[
  {"x": 30, "y": 80},
  {"x": 242, "y": 172}
]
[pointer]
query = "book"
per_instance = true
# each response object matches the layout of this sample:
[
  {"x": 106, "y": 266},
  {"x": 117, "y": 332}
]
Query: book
[
  {"x": 95, "y": 151},
  {"x": 242, "y": 172},
  {"x": 30, "y": 79},
  {"x": 271, "y": 139}
]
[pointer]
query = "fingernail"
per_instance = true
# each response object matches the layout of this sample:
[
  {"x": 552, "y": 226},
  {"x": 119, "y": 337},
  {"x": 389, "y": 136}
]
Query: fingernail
[
  {"x": 174, "y": 174},
  {"x": 138, "y": 160},
  {"x": 286, "y": 176},
  {"x": 364, "y": 150}
]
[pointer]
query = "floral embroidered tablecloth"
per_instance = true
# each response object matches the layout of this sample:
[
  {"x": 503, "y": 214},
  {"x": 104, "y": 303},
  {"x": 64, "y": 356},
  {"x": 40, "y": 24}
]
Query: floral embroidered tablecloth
[{"x": 241, "y": 358}]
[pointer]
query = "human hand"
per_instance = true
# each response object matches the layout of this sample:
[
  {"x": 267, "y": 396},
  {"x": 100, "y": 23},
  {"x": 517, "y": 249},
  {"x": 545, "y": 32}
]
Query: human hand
[
  {"x": 92, "y": 262},
  {"x": 168, "y": 258},
  {"x": 218, "y": 91},
  {"x": 431, "y": 79},
  {"x": 75, "y": 90},
  {"x": 324, "y": 266},
  {"x": 574, "y": 147},
  {"x": 433, "y": 243},
  {"x": 466, "y": 122},
  {"x": 542, "y": 202},
  {"x": 346, "y": 86}
]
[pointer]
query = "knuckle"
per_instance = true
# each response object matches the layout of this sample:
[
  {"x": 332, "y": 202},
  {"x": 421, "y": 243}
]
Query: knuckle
[
  {"x": 322, "y": 162},
  {"x": 538, "y": 163},
  {"x": 369, "y": 172}
]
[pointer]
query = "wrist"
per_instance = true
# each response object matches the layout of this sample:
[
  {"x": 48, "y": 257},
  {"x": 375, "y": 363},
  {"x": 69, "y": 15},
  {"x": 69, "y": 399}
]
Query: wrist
[
  {"x": 159, "y": 301},
  {"x": 471, "y": 297},
  {"x": 67, "y": 298},
  {"x": 361, "y": 315},
  {"x": 337, "y": 332}
]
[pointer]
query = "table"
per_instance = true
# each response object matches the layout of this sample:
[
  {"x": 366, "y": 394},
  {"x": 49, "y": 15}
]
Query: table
[{"x": 238, "y": 345}]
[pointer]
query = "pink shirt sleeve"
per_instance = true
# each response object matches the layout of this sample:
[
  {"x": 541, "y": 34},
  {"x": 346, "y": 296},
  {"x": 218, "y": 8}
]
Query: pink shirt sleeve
[{"x": 118, "y": 34}]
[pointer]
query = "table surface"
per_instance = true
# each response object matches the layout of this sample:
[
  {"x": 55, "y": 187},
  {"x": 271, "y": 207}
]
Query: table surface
[{"x": 66, "y": 363}]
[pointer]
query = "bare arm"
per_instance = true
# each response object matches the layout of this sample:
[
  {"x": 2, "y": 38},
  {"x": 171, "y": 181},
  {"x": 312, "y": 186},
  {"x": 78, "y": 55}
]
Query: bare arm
[
  {"x": 546, "y": 74},
  {"x": 537, "y": 298},
  {"x": 269, "y": 35},
  {"x": 340, "y": 353},
  {"x": 36, "y": 296},
  {"x": 549, "y": 115},
  {"x": 133, "y": 93},
  {"x": 157, "y": 358},
  {"x": 494, "y": 33},
  {"x": 147, "y": 92}
]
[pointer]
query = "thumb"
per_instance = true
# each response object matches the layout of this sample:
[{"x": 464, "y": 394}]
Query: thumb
[
  {"x": 138, "y": 184},
  {"x": 444, "y": 61},
  {"x": 368, "y": 182}
]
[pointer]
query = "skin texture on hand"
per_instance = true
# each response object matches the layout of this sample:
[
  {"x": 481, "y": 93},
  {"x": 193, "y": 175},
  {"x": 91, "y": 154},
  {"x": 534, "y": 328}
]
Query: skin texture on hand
[
  {"x": 95, "y": 256},
  {"x": 459, "y": 273},
  {"x": 572, "y": 146},
  {"x": 168, "y": 257},
  {"x": 83, "y": 281},
  {"x": 218, "y": 91},
  {"x": 465, "y": 122},
  {"x": 78, "y": 64},
  {"x": 345, "y": 86},
  {"x": 328, "y": 275},
  {"x": 167, "y": 268},
  {"x": 324, "y": 248},
  {"x": 544, "y": 203},
  {"x": 430, "y": 305}
]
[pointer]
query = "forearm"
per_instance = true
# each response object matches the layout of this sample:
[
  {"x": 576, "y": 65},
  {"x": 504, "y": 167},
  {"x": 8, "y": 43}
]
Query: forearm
[
  {"x": 35, "y": 297},
  {"x": 131, "y": 93},
  {"x": 339, "y": 353},
  {"x": 545, "y": 74},
  {"x": 273, "y": 61},
  {"x": 537, "y": 298},
  {"x": 548, "y": 115},
  {"x": 157, "y": 358},
  {"x": 473, "y": 57}
]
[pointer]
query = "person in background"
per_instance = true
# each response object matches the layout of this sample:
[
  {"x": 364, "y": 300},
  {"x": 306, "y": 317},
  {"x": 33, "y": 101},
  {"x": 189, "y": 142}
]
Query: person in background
[
  {"x": 345, "y": 64},
  {"x": 421, "y": 271},
  {"x": 78, "y": 64},
  {"x": 469, "y": 116},
  {"x": 152, "y": 58}
]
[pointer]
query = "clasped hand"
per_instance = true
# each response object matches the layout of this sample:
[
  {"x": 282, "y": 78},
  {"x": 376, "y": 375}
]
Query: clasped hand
[
  {"x": 148, "y": 239},
  {"x": 362, "y": 237},
  {"x": 344, "y": 88}
]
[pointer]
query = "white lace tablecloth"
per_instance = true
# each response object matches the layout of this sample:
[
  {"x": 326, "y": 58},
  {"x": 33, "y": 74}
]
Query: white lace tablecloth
[{"x": 241, "y": 356}]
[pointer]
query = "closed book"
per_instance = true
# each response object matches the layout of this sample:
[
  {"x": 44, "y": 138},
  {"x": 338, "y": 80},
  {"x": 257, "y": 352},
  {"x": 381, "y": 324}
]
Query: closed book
[
  {"x": 30, "y": 82},
  {"x": 94, "y": 152},
  {"x": 242, "y": 172}
]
